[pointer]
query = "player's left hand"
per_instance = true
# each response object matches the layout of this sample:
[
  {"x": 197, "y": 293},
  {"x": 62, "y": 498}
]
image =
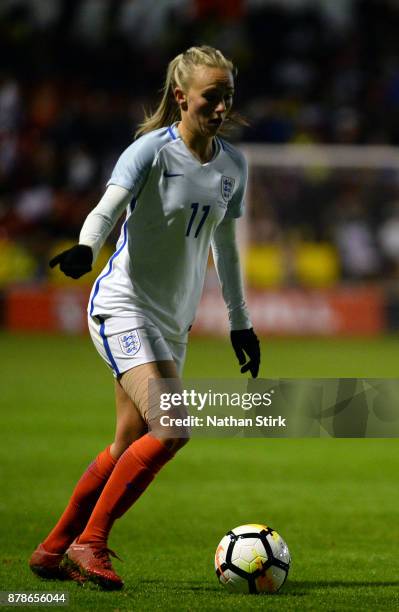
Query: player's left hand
[{"x": 246, "y": 345}]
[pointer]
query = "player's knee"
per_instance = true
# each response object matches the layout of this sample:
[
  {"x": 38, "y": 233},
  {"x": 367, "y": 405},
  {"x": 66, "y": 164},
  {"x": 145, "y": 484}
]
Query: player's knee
[{"x": 175, "y": 444}]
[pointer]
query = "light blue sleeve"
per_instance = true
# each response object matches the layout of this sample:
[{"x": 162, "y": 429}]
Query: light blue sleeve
[
  {"x": 227, "y": 264},
  {"x": 235, "y": 207},
  {"x": 133, "y": 166}
]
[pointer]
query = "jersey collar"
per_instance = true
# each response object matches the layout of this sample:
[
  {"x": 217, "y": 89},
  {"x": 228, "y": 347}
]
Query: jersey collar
[{"x": 217, "y": 145}]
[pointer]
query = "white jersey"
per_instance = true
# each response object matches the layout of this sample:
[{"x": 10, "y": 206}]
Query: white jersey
[{"x": 158, "y": 269}]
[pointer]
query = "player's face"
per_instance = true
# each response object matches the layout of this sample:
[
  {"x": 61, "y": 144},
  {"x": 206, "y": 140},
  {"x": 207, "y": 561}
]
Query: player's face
[{"x": 208, "y": 100}]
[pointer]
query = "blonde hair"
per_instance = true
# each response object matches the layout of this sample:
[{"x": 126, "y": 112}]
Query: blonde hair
[{"x": 178, "y": 74}]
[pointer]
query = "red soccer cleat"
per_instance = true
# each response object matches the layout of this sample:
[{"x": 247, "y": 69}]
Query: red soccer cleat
[
  {"x": 94, "y": 563},
  {"x": 49, "y": 565}
]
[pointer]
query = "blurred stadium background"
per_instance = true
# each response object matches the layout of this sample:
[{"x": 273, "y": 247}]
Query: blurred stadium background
[{"x": 319, "y": 83}]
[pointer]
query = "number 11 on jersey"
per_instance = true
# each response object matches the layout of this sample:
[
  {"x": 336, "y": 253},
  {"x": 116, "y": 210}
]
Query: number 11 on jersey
[{"x": 205, "y": 213}]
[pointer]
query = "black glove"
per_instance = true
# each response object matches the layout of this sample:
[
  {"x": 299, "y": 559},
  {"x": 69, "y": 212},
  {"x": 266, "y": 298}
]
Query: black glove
[
  {"x": 246, "y": 340},
  {"x": 74, "y": 262}
]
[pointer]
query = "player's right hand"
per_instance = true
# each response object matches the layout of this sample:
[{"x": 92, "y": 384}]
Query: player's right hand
[{"x": 74, "y": 262}]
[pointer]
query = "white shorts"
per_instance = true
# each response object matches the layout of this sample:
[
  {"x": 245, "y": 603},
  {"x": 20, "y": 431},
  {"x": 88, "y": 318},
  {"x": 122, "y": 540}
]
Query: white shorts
[{"x": 126, "y": 342}]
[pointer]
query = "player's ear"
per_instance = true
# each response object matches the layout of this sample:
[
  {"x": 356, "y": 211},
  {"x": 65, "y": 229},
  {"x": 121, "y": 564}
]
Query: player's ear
[{"x": 180, "y": 98}]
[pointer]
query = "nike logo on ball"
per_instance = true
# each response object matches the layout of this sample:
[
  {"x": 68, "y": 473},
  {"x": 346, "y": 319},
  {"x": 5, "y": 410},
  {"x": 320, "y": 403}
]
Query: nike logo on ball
[{"x": 170, "y": 174}]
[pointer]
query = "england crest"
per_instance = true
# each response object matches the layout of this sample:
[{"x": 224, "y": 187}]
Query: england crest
[
  {"x": 130, "y": 342},
  {"x": 227, "y": 187}
]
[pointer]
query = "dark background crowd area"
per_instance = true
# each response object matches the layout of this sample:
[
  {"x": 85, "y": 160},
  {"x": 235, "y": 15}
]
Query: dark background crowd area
[{"x": 75, "y": 77}]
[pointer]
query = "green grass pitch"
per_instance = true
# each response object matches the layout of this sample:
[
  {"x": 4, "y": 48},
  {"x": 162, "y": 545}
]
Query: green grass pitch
[{"x": 334, "y": 501}]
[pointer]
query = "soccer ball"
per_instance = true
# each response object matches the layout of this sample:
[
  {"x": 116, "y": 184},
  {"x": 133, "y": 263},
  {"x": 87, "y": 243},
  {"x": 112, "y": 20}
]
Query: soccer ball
[{"x": 252, "y": 559}]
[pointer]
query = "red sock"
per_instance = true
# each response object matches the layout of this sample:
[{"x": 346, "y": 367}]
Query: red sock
[
  {"x": 81, "y": 504},
  {"x": 135, "y": 470}
]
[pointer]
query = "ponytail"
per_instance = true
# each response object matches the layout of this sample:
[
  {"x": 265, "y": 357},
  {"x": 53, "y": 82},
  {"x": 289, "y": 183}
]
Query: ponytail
[{"x": 168, "y": 109}]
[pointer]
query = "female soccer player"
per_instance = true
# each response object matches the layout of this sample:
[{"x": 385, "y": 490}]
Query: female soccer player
[{"x": 181, "y": 187}]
